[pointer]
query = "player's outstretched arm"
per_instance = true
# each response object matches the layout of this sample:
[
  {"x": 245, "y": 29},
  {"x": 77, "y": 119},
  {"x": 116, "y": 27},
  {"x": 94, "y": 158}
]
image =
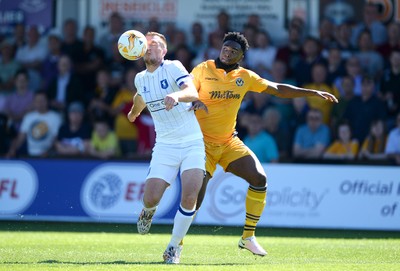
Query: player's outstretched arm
[
  {"x": 188, "y": 93},
  {"x": 290, "y": 91},
  {"x": 137, "y": 108}
]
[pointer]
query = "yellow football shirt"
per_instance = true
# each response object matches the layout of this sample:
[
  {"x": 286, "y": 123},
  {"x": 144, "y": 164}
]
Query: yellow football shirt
[
  {"x": 222, "y": 93},
  {"x": 124, "y": 129},
  {"x": 321, "y": 104}
]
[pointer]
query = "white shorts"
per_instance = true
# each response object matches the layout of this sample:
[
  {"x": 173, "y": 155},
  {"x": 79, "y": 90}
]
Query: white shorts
[{"x": 168, "y": 159}]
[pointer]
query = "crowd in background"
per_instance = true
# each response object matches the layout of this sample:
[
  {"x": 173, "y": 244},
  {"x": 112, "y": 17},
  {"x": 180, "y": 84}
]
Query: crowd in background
[{"x": 67, "y": 95}]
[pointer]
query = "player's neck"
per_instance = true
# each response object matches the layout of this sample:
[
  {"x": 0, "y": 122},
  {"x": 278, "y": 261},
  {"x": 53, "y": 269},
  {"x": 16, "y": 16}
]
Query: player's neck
[
  {"x": 226, "y": 68},
  {"x": 151, "y": 67}
]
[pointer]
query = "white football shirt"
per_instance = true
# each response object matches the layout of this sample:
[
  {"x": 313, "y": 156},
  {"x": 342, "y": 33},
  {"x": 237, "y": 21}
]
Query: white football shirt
[{"x": 179, "y": 124}]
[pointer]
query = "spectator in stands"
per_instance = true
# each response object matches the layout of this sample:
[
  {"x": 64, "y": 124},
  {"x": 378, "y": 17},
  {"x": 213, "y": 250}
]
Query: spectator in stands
[
  {"x": 154, "y": 25},
  {"x": 326, "y": 32},
  {"x": 170, "y": 29},
  {"x": 250, "y": 32},
  {"x": 33, "y": 52},
  {"x": 103, "y": 96},
  {"x": 291, "y": 52},
  {"x": 299, "y": 23},
  {"x": 261, "y": 57},
  {"x": 371, "y": 61},
  {"x": 319, "y": 81},
  {"x": 223, "y": 23},
  {"x": 177, "y": 40},
  {"x": 344, "y": 147},
  {"x": 273, "y": 124},
  {"x": 362, "y": 110},
  {"x": 251, "y": 27},
  {"x": 66, "y": 87},
  {"x": 299, "y": 114},
  {"x": 31, "y": 56},
  {"x": 126, "y": 131},
  {"x": 311, "y": 55},
  {"x": 6, "y": 134},
  {"x": 335, "y": 66},
  {"x": 279, "y": 74},
  {"x": 117, "y": 65},
  {"x": 370, "y": 23},
  {"x": 213, "y": 48},
  {"x": 393, "y": 42},
  {"x": 71, "y": 44},
  {"x": 256, "y": 103},
  {"x": 197, "y": 41},
  {"x": 115, "y": 29},
  {"x": 92, "y": 59},
  {"x": 390, "y": 88},
  {"x": 74, "y": 135},
  {"x": 19, "y": 37},
  {"x": 392, "y": 148},
  {"x": 20, "y": 101},
  {"x": 184, "y": 55},
  {"x": 259, "y": 141},
  {"x": 339, "y": 108},
  {"x": 353, "y": 69},
  {"x": 8, "y": 68},
  {"x": 254, "y": 20},
  {"x": 49, "y": 68},
  {"x": 373, "y": 147},
  {"x": 39, "y": 129},
  {"x": 343, "y": 40},
  {"x": 104, "y": 142},
  {"x": 146, "y": 133},
  {"x": 312, "y": 138}
]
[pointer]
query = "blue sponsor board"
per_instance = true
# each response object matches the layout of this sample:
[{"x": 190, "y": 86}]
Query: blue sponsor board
[{"x": 78, "y": 190}]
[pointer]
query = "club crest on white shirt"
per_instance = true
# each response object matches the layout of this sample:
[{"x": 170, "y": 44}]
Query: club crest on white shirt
[{"x": 164, "y": 83}]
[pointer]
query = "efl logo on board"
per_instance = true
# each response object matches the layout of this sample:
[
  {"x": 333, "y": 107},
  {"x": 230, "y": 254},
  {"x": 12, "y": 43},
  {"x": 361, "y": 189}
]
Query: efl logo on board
[
  {"x": 115, "y": 190},
  {"x": 18, "y": 187}
]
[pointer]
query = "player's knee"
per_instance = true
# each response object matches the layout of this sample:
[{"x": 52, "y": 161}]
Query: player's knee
[
  {"x": 259, "y": 181},
  {"x": 189, "y": 201}
]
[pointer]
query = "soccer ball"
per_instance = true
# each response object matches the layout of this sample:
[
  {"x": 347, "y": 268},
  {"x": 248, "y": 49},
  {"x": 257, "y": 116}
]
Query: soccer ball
[{"x": 132, "y": 45}]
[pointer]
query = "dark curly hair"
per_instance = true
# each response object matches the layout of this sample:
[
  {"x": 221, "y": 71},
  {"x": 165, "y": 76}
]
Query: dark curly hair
[{"x": 239, "y": 38}]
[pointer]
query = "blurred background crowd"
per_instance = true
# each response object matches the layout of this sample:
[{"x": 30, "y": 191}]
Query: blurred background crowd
[{"x": 67, "y": 95}]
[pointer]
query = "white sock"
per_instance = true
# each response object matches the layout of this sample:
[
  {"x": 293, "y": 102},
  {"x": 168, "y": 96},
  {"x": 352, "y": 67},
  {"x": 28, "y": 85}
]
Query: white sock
[{"x": 182, "y": 221}]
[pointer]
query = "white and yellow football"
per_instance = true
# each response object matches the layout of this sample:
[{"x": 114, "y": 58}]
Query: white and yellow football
[{"x": 132, "y": 45}]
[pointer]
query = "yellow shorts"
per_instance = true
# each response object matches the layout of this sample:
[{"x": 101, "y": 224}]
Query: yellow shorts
[{"x": 224, "y": 154}]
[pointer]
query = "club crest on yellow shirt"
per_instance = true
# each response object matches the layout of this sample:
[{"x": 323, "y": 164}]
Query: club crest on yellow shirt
[{"x": 239, "y": 82}]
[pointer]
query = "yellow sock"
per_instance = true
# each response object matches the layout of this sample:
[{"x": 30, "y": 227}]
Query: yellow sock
[{"x": 255, "y": 203}]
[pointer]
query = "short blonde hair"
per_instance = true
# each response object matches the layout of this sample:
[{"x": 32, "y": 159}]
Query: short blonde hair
[{"x": 161, "y": 36}]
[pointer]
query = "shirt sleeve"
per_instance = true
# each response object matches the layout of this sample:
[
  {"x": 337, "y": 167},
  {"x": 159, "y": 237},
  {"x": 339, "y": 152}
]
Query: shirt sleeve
[
  {"x": 25, "y": 124},
  {"x": 196, "y": 72},
  {"x": 391, "y": 144},
  {"x": 258, "y": 84},
  {"x": 178, "y": 72}
]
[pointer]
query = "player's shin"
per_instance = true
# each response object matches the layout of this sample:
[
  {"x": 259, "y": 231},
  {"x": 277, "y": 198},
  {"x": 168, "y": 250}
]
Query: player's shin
[
  {"x": 255, "y": 203},
  {"x": 182, "y": 221}
]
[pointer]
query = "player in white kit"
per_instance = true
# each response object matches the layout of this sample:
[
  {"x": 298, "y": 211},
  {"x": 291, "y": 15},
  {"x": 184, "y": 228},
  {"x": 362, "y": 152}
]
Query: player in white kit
[{"x": 167, "y": 90}]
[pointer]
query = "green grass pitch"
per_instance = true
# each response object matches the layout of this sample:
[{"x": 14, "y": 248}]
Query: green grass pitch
[{"x": 92, "y": 246}]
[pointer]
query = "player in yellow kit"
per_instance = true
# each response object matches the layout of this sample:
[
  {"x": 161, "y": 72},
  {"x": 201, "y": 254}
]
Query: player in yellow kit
[{"x": 222, "y": 85}]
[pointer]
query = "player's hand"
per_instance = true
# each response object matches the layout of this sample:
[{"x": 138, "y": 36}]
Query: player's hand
[
  {"x": 131, "y": 116},
  {"x": 198, "y": 105},
  {"x": 327, "y": 96},
  {"x": 170, "y": 101}
]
